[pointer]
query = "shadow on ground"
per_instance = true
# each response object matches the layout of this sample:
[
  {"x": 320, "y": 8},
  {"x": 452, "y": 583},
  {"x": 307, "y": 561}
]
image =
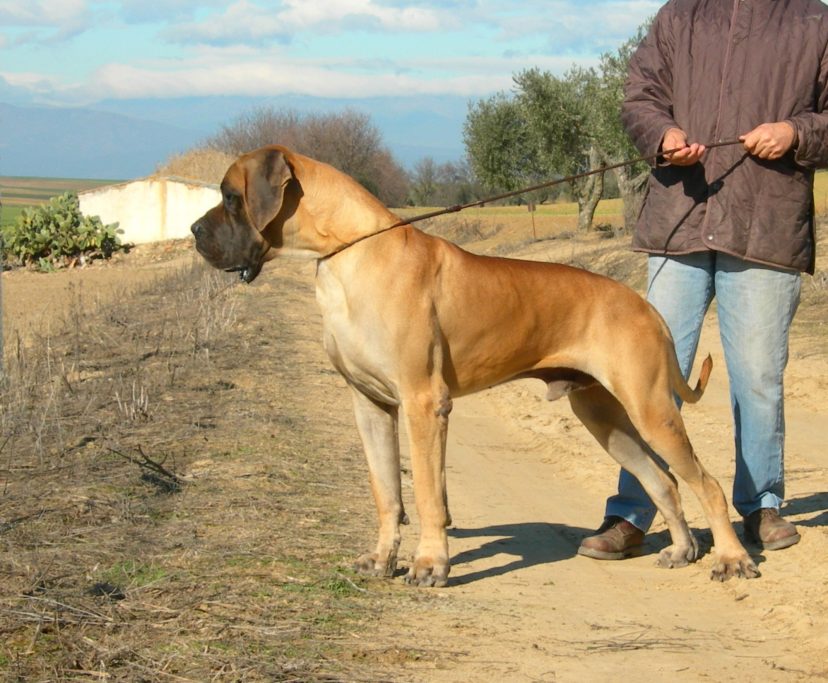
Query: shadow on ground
[{"x": 530, "y": 543}]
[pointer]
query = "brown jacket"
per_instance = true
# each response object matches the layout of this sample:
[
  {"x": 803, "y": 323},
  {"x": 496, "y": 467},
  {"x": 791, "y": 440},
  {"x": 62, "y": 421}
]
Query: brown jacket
[{"x": 717, "y": 69}]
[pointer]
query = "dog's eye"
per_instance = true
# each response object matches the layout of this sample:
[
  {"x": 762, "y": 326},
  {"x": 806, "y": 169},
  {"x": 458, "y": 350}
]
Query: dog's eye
[{"x": 231, "y": 200}]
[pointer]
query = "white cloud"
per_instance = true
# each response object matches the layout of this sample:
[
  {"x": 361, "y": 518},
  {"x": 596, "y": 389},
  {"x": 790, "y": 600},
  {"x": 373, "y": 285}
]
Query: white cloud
[
  {"x": 303, "y": 14},
  {"x": 164, "y": 11},
  {"x": 44, "y": 21},
  {"x": 246, "y": 21},
  {"x": 266, "y": 78},
  {"x": 560, "y": 24},
  {"x": 56, "y": 13},
  {"x": 604, "y": 24},
  {"x": 35, "y": 83},
  {"x": 245, "y": 71}
]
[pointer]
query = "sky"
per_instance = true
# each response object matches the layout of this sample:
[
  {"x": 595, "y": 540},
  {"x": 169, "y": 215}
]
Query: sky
[{"x": 78, "y": 52}]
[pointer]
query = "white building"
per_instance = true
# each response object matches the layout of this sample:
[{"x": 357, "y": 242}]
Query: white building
[{"x": 151, "y": 209}]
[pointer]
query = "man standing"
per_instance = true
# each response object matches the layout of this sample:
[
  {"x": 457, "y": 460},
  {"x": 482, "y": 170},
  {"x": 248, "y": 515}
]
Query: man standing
[{"x": 733, "y": 222}]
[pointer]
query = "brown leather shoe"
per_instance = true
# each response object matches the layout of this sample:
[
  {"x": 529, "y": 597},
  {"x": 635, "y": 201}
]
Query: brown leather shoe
[
  {"x": 764, "y": 527},
  {"x": 615, "y": 540}
]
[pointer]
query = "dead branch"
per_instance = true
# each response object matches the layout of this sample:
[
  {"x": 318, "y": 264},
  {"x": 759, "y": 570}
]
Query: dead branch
[{"x": 154, "y": 467}]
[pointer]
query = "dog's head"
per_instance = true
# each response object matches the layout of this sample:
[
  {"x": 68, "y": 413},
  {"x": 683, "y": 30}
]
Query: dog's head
[{"x": 257, "y": 198}]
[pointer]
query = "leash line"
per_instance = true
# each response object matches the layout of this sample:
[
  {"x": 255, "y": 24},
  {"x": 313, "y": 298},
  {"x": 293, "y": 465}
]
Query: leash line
[
  {"x": 514, "y": 193},
  {"x": 551, "y": 183}
]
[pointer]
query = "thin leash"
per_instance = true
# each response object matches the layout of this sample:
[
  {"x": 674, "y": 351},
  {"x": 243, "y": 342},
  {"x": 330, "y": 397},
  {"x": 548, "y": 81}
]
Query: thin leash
[{"x": 550, "y": 183}]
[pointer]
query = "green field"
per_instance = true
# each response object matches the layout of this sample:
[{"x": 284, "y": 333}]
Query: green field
[{"x": 17, "y": 193}]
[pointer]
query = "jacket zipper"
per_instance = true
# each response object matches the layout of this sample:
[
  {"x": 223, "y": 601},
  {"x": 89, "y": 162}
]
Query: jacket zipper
[{"x": 717, "y": 132}]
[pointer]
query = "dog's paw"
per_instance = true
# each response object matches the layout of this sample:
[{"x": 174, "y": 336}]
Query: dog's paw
[
  {"x": 369, "y": 565},
  {"x": 742, "y": 567},
  {"x": 426, "y": 573},
  {"x": 675, "y": 556}
]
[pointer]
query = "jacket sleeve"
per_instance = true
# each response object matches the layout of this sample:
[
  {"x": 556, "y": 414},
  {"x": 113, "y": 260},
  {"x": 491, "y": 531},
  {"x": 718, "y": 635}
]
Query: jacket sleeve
[
  {"x": 647, "y": 111},
  {"x": 812, "y": 127}
]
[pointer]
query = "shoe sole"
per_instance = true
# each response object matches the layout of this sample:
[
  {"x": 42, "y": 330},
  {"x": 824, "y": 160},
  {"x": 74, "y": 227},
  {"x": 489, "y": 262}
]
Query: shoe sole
[
  {"x": 633, "y": 551},
  {"x": 781, "y": 544}
]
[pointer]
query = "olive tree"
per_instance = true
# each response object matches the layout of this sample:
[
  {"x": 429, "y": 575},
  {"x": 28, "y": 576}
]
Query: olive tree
[
  {"x": 500, "y": 144},
  {"x": 560, "y": 126},
  {"x": 539, "y": 132},
  {"x": 561, "y": 112}
]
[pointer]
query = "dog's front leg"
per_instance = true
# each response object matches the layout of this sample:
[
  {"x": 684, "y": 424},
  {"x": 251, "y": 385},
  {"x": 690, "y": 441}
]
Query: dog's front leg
[
  {"x": 377, "y": 425},
  {"x": 427, "y": 424}
]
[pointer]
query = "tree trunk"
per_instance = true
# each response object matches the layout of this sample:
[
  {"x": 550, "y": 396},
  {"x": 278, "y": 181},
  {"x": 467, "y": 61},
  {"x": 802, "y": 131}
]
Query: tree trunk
[
  {"x": 633, "y": 186},
  {"x": 588, "y": 192}
]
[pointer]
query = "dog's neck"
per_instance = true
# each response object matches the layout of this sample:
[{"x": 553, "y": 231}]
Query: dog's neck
[
  {"x": 321, "y": 228},
  {"x": 345, "y": 245}
]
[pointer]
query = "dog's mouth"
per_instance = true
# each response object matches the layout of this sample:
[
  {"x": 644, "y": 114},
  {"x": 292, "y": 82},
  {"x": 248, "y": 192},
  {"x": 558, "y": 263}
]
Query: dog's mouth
[{"x": 246, "y": 273}]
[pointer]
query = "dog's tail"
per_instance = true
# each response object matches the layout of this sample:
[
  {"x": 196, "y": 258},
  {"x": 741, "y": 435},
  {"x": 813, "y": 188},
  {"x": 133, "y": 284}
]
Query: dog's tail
[
  {"x": 677, "y": 382},
  {"x": 681, "y": 387}
]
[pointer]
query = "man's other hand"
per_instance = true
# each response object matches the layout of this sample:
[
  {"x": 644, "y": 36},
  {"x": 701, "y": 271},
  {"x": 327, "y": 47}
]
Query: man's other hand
[{"x": 770, "y": 140}]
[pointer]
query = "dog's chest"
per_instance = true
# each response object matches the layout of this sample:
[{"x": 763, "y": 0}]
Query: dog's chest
[{"x": 353, "y": 338}]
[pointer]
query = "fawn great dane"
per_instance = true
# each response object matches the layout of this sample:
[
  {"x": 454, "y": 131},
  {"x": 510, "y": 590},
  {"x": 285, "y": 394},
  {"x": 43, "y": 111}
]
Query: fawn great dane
[{"x": 413, "y": 321}]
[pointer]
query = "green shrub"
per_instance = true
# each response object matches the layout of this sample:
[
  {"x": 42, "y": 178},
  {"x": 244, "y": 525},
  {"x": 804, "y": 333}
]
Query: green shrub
[{"x": 57, "y": 234}]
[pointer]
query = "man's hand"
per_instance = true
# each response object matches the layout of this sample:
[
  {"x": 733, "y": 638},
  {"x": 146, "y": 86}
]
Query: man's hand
[
  {"x": 687, "y": 155},
  {"x": 770, "y": 140}
]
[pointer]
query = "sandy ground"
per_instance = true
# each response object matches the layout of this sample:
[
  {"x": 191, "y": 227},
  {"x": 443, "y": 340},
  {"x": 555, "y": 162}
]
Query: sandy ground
[
  {"x": 524, "y": 490},
  {"x": 526, "y": 483}
]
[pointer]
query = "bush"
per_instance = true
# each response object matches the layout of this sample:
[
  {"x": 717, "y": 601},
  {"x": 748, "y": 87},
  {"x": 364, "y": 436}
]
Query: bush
[
  {"x": 347, "y": 140},
  {"x": 57, "y": 234}
]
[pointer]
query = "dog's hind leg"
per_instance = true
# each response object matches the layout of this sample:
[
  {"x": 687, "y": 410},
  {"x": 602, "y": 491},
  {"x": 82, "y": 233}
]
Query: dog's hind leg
[
  {"x": 665, "y": 433},
  {"x": 378, "y": 429},
  {"x": 609, "y": 423}
]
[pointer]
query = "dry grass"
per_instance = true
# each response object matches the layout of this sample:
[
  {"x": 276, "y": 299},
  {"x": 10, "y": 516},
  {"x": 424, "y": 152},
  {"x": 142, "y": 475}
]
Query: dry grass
[
  {"x": 206, "y": 165},
  {"x": 165, "y": 481},
  {"x": 821, "y": 193},
  {"x": 514, "y": 225}
]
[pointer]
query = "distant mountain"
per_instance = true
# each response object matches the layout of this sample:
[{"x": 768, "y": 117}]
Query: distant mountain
[
  {"x": 130, "y": 138},
  {"x": 84, "y": 143},
  {"x": 412, "y": 127}
]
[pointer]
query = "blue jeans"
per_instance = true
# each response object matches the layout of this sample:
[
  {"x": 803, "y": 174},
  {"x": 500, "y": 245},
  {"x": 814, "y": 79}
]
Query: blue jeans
[{"x": 756, "y": 305}]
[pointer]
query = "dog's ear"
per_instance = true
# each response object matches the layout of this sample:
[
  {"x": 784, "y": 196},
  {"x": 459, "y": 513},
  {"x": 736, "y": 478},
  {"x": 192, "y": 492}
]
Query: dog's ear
[{"x": 267, "y": 173}]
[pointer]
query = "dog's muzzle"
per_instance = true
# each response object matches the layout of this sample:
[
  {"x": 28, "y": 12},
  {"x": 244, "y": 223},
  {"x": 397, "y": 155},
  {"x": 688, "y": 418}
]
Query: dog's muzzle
[{"x": 247, "y": 271}]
